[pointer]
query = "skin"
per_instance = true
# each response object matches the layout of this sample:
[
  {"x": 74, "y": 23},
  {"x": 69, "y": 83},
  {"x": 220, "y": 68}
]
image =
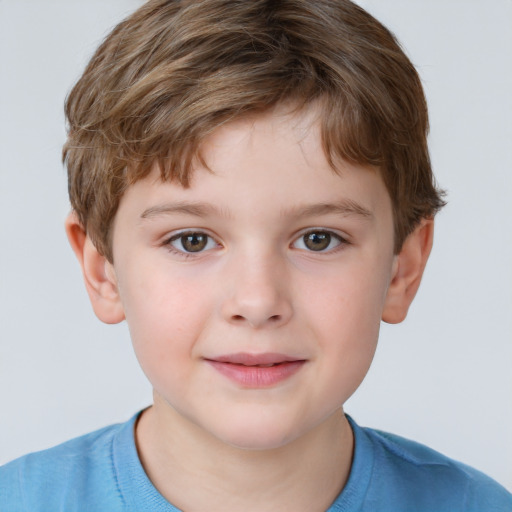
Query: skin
[{"x": 255, "y": 288}]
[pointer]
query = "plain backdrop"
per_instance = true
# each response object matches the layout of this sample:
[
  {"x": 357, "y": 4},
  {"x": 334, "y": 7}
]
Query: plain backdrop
[{"x": 443, "y": 377}]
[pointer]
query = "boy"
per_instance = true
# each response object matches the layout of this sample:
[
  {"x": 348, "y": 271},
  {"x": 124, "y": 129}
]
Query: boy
[{"x": 251, "y": 190}]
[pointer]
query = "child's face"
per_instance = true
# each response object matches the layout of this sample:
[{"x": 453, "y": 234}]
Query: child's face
[{"x": 272, "y": 258}]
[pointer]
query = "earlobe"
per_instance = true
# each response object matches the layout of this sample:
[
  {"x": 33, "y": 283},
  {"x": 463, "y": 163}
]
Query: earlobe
[
  {"x": 408, "y": 270},
  {"x": 98, "y": 272}
]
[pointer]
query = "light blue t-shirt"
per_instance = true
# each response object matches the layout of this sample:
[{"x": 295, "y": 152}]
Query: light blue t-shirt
[{"x": 101, "y": 472}]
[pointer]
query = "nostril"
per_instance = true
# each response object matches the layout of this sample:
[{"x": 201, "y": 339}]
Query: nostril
[{"x": 241, "y": 318}]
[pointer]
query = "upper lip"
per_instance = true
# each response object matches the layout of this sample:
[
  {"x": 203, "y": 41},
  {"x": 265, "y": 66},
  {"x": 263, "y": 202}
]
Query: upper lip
[{"x": 254, "y": 359}]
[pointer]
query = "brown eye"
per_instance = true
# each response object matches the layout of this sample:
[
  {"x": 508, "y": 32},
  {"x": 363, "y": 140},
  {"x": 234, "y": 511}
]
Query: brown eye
[
  {"x": 192, "y": 242},
  {"x": 318, "y": 241}
]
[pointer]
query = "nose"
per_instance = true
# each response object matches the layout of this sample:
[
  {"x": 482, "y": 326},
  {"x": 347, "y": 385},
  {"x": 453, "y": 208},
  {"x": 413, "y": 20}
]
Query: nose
[{"x": 257, "y": 294}]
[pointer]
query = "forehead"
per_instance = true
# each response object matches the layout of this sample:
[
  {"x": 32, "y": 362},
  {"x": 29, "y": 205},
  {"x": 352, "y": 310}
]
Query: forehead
[{"x": 269, "y": 162}]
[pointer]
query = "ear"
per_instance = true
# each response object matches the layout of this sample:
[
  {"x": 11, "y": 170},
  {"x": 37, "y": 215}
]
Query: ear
[
  {"x": 408, "y": 270},
  {"x": 99, "y": 275}
]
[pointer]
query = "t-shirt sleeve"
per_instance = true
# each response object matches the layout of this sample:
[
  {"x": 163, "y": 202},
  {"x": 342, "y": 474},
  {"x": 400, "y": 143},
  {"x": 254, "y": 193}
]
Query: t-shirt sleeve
[
  {"x": 483, "y": 493},
  {"x": 11, "y": 494}
]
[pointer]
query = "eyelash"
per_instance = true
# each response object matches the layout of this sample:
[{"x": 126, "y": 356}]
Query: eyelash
[
  {"x": 184, "y": 253},
  {"x": 342, "y": 242}
]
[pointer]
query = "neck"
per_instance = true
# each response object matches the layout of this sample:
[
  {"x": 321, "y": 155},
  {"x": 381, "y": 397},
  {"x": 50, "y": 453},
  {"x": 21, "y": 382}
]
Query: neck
[{"x": 195, "y": 471}]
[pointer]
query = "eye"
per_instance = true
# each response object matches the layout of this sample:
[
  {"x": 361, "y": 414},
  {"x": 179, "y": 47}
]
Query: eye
[
  {"x": 192, "y": 242},
  {"x": 319, "y": 241}
]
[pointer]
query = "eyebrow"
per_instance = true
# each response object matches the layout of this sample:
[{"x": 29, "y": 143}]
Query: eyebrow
[
  {"x": 195, "y": 209},
  {"x": 345, "y": 207}
]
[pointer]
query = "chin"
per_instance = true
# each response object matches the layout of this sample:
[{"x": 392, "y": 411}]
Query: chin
[
  {"x": 256, "y": 441},
  {"x": 257, "y": 435}
]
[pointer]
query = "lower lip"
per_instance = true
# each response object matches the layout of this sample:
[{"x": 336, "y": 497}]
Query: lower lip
[{"x": 257, "y": 376}]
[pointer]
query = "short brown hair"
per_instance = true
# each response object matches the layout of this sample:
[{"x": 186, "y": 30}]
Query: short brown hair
[{"x": 173, "y": 71}]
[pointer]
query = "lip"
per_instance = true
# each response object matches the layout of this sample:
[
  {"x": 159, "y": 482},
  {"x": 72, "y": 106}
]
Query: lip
[{"x": 256, "y": 370}]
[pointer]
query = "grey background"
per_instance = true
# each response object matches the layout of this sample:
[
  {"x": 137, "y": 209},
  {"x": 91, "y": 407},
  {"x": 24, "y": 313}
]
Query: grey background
[{"x": 443, "y": 377}]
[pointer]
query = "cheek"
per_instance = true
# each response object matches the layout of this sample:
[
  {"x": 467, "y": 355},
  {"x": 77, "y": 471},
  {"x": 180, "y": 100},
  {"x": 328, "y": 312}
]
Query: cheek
[
  {"x": 347, "y": 315},
  {"x": 349, "y": 297},
  {"x": 166, "y": 316},
  {"x": 167, "y": 299}
]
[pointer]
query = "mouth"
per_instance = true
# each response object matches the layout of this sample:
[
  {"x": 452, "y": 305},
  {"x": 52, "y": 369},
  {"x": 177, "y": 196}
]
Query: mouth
[{"x": 257, "y": 370}]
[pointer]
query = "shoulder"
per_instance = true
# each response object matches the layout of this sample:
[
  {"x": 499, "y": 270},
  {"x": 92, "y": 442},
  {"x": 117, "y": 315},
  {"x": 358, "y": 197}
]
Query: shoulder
[
  {"x": 412, "y": 473},
  {"x": 68, "y": 473}
]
